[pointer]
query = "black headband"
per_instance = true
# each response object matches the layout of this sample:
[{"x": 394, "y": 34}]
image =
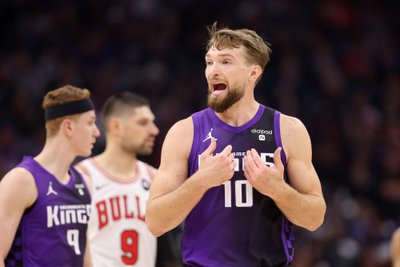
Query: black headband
[{"x": 69, "y": 108}]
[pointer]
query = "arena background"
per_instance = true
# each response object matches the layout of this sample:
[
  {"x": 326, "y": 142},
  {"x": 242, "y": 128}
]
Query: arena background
[{"x": 335, "y": 65}]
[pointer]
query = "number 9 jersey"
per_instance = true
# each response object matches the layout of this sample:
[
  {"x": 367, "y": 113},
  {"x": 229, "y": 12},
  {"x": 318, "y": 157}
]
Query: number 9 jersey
[
  {"x": 117, "y": 231},
  {"x": 52, "y": 232}
]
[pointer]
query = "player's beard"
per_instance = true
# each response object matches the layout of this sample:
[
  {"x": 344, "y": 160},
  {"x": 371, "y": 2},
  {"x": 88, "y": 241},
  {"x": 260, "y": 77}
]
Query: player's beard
[
  {"x": 221, "y": 104},
  {"x": 142, "y": 149}
]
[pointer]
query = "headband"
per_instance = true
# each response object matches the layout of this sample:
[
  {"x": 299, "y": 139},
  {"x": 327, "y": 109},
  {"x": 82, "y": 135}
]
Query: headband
[{"x": 69, "y": 108}]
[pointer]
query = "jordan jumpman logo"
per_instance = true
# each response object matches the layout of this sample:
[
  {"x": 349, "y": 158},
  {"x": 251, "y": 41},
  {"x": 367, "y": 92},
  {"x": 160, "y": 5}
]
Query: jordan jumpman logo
[
  {"x": 209, "y": 135},
  {"x": 50, "y": 190}
]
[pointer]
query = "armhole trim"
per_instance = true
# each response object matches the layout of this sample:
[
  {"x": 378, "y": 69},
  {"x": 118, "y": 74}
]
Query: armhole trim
[{"x": 278, "y": 137}]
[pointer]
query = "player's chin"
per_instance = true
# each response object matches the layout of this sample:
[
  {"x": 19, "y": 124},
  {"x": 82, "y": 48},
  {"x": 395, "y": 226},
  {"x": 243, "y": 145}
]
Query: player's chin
[
  {"x": 147, "y": 151},
  {"x": 86, "y": 152}
]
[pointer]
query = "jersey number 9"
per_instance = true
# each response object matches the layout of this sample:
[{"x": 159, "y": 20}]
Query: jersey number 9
[{"x": 129, "y": 246}]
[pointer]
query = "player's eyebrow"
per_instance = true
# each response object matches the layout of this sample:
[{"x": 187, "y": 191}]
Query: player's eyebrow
[{"x": 220, "y": 55}]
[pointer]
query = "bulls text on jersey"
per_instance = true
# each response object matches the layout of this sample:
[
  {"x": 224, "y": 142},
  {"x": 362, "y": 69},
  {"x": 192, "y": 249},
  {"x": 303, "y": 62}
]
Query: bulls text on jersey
[{"x": 119, "y": 207}]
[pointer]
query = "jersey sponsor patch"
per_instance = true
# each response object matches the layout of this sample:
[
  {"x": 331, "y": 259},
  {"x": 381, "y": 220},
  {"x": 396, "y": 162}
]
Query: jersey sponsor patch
[{"x": 262, "y": 135}]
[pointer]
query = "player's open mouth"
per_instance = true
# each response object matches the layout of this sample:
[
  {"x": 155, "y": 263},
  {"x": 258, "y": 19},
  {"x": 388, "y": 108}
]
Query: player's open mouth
[{"x": 218, "y": 88}]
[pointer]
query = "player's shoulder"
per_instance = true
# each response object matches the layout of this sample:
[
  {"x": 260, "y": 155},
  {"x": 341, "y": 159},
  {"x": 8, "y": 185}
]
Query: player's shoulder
[
  {"x": 22, "y": 181},
  {"x": 181, "y": 130},
  {"x": 294, "y": 135},
  {"x": 291, "y": 123},
  {"x": 292, "y": 128},
  {"x": 19, "y": 175},
  {"x": 182, "y": 125},
  {"x": 178, "y": 141}
]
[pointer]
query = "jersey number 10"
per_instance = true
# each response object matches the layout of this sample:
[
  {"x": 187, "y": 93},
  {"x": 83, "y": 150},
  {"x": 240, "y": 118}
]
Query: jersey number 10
[{"x": 243, "y": 193}]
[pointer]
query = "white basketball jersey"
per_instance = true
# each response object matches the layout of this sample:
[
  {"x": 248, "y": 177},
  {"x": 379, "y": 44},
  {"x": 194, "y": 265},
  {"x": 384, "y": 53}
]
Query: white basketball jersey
[{"x": 117, "y": 230}]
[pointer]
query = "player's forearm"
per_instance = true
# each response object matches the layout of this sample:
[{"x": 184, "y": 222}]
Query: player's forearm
[
  {"x": 304, "y": 210},
  {"x": 167, "y": 211}
]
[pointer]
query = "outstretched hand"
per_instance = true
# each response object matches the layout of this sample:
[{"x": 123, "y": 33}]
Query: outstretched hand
[
  {"x": 262, "y": 177},
  {"x": 216, "y": 168}
]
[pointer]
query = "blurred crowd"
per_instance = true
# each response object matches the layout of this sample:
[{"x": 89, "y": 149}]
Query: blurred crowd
[{"x": 335, "y": 65}]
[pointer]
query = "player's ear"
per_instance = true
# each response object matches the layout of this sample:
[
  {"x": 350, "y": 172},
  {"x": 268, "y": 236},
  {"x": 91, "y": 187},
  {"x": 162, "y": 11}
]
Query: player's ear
[
  {"x": 114, "y": 125},
  {"x": 255, "y": 72},
  {"x": 66, "y": 127}
]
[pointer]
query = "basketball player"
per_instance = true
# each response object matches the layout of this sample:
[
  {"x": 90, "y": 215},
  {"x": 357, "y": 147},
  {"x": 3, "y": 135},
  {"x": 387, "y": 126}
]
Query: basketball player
[
  {"x": 117, "y": 229},
  {"x": 395, "y": 248},
  {"x": 237, "y": 173},
  {"x": 44, "y": 203}
]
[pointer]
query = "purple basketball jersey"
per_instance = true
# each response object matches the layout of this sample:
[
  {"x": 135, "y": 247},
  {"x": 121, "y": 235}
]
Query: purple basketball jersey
[
  {"x": 52, "y": 232},
  {"x": 233, "y": 224}
]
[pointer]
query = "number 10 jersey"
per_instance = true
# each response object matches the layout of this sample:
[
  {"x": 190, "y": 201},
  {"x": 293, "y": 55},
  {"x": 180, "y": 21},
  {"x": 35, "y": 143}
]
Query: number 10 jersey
[{"x": 233, "y": 224}]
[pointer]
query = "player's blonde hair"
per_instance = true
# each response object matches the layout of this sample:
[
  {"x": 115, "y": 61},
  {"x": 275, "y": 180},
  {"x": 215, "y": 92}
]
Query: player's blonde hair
[
  {"x": 258, "y": 51},
  {"x": 62, "y": 95}
]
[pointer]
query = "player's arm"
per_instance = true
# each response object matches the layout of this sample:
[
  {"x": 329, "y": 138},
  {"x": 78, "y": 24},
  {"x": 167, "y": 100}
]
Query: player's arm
[
  {"x": 301, "y": 200},
  {"x": 17, "y": 192},
  {"x": 172, "y": 194},
  {"x": 395, "y": 248},
  {"x": 171, "y": 199}
]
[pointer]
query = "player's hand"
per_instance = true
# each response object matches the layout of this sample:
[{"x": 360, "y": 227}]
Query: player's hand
[
  {"x": 216, "y": 169},
  {"x": 263, "y": 178}
]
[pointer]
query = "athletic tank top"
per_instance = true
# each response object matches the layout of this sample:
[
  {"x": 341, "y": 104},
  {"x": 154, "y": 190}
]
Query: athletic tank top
[
  {"x": 233, "y": 224},
  {"x": 117, "y": 229},
  {"x": 52, "y": 232}
]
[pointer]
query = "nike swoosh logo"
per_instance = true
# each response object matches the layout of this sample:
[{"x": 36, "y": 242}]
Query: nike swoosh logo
[{"x": 99, "y": 187}]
